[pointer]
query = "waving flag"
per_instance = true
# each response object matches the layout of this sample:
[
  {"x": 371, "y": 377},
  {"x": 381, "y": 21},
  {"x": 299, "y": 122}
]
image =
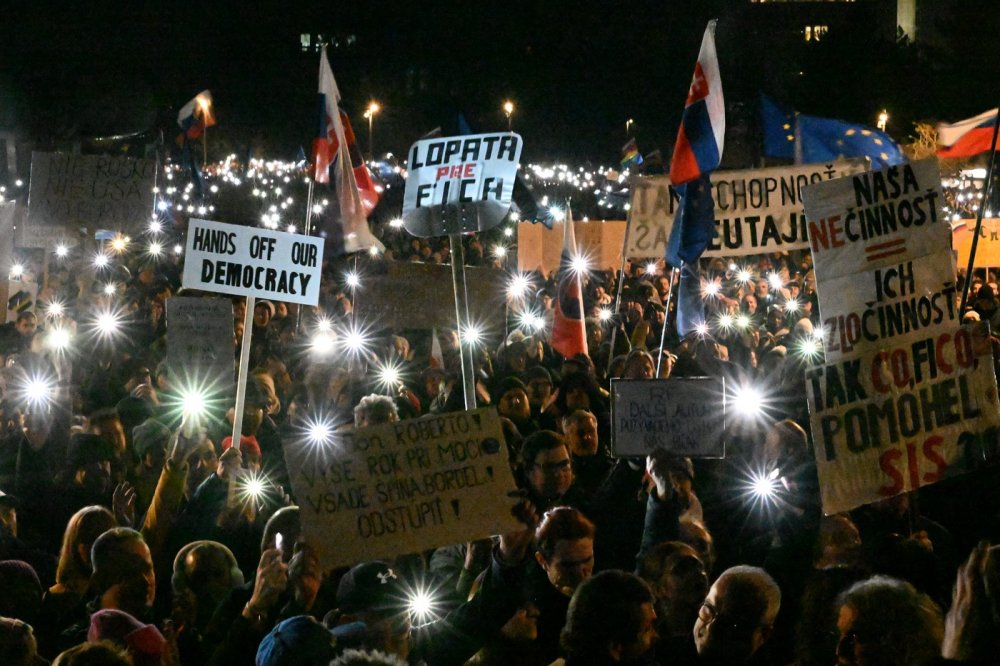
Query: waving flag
[
  {"x": 195, "y": 117},
  {"x": 812, "y": 139},
  {"x": 703, "y": 126},
  {"x": 630, "y": 154},
  {"x": 967, "y": 137},
  {"x": 569, "y": 333},
  {"x": 350, "y": 232}
]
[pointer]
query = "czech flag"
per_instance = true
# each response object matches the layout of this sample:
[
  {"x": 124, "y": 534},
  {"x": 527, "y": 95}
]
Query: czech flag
[
  {"x": 967, "y": 137},
  {"x": 195, "y": 117},
  {"x": 703, "y": 126},
  {"x": 569, "y": 333}
]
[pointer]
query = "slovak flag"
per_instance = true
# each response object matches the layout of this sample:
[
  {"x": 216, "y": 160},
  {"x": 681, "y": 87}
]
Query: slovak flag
[
  {"x": 569, "y": 333},
  {"x": 353, "y": 234},
  {"x": 195, "y": 117},
  {"x": 967, "y": 137},
  {"x": 703, "y": 126}
]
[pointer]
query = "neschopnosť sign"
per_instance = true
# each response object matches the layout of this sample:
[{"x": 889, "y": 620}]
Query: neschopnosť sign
[
  {"x": 684, "y": 416},
  {"x": 756, "y": 210},
  {"x": 403, "y": 487},
  {"x": 248, "y": 261},
  {"x": 460, "y": 184}
]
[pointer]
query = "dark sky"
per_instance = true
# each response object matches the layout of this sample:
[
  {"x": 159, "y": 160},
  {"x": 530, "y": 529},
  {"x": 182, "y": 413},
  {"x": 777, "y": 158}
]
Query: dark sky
[{"x": 575, "y": 70}]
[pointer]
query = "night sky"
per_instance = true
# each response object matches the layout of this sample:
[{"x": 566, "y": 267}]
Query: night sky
[{"x": 575, "y": 70}]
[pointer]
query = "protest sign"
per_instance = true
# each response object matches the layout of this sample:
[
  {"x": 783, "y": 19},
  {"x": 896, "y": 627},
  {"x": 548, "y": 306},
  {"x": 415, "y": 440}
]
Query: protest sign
[
  {"x": 756, "y": 210},
  {"x": 396, "y": 297},
  {"x": 683, "y": 416},
  {"x": 200, "y": 342},
  {"x": 988, "y": 248},
  {"x": 460, "y": 184},
  {"x": 403, "y": 487},
  {"x": 894, "y": 419},
  {"x": 69, "y": 193},
  {"x": 249, "y": 261},
  {"x": 876, "y": 218}
]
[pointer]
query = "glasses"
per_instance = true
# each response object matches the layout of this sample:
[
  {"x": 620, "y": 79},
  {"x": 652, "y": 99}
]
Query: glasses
[
  {"x": 556, "y": 467},
  {"x": 709, "y": 614}
]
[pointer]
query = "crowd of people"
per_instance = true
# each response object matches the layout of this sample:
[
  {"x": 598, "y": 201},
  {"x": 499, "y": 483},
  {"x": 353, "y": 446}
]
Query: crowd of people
[{"x": 122, "y": 541}]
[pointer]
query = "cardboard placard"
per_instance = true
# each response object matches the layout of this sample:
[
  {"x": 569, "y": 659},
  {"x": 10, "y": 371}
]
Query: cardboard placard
[
  {"x": 756, "y": 210},
  {"x": 70, "y": 192},
  {"x": 403, "y": 487},
  {"x": 988, "y": 247},
  {"x": 684, "y": 416},
  {"x": 892, "y": 420},
  {"x": 421, "y": 296},
  {"x": 201, "y": 344},
  {"x": 249, "y": 261}
]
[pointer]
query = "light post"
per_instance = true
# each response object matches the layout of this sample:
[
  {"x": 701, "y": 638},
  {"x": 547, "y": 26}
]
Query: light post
[
  {"x": 628, "y": 124},
  {"x": 508, "y": 109},
  {"x": 883, "y": 120},
  {"x": 370, "y": 112}
]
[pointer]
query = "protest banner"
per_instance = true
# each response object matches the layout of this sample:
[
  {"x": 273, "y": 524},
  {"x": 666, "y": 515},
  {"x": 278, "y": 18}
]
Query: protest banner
[
  {"x": 395, "y": 296},
  {"x": 403, "y": 487},
  {"x": 460, "y": 184},
  {"x": 69, "y": 193},
  {"x": 244, "y": 261},
  {"x": 756, "y": 210},
  {"x": 684, "y": 416},
  {"x": 988, "y": 248},
  {"x": 921, "y": 409},
  {"x": 200, "y": 342},
  {"x": 874, "y": 219}
]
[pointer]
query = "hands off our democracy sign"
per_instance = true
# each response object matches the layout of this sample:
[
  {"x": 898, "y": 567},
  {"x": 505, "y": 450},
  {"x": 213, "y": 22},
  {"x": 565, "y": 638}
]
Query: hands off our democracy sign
[
  {"x": 248, "y": 261},
  {"x": 460, "y": 184}
]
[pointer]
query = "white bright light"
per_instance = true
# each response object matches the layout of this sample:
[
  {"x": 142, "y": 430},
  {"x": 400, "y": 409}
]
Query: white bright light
[
  {"x": 110, "y": 288},
  {"x": 396, "y": 223},
  {"x": 499, "y": 251},
  {"x": 59, "y": 338},
  {"x": 193, "y": 403},
  {"x": 579, "y": 264},
  {"x": 119, "y": 243},
  {"x": 711, "y": 289},
  {"x": 742, "y": 321},
  {"x": 518, "y": 286},
  {"x": 558, "y": 214},
  {"x": 747, "y": 401},
  {"x": 320, "y": 432},
  {"x": 744, "y": 276},
  {"x": 775, "y": 281},
  {"x": 155, "y": 227},
  {"x": 323, "y": 342},
  {"x": 764, "y": 486},
  {"x": 604, "y": 314},
  {"x": 38, "y": 391},
  {"x": 101, "y": 260},
  {"x": 16, "y": 271},
  {"x": 61, "y": 251},
  {"x": 701, "y": 329},
  {"x": 108, "y": 323},
  {"x": 155, "y": 249},
  {"x": 472, "y": 335},
  {"x": 353, "y": 280},
  {"x": 55, "y": 309},
  {"x": 792, "y": 305},
  {"x": 178, "y": 249},
  {"x": 651, "y": 268},
  {"x": 725, "y": 321}
]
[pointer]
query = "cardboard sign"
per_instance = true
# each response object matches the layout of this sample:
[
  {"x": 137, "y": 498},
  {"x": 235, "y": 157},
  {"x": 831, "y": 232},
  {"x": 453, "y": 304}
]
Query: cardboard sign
[
  {"x": 460, "y": 184},
  {"x": 988, "y": 248},
  {"x": 248, "y": 261},
  {"x": 414, "y": 295},
  {"x": 69, "y": 192},
  {"x": 876, "y": 218},
  {"x": 684, "y": 416},
  {"x": 403, "y": 487},
  {"x": 902, "y": 417},
  {"x": 201, "y": 344},
  {"x": 756, "y": 211}
]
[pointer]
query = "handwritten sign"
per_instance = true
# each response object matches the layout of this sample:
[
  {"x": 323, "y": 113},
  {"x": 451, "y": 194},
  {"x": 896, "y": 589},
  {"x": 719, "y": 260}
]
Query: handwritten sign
[
  {"x": 390, "y": 297},
  {"x": 403, "y": 487},
  {"x": 684, "y": 416},
  {"x": 73, "y": 192},
  {"x": 906, "y": 415},
  {"x": 756, "y": 210},
  {"x": 248, "y": 261},
  {"x": 200, "y": 341},
  {"x": 460, "y": 183}
]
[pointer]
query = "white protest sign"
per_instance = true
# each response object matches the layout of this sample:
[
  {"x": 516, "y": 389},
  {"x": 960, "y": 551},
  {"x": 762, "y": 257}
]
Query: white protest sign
[
  {"x": 248, "y": 261},
  {"x": 460, "y": 184},
  {"x": 863, "y": 311},
  {"x": 684, "y": 416},
  {"x": 201, "y": 343},
  {"x": 403, "y": 487},
  {"x": 71, "y": 192},
  {"x": 756, "y": 210},
  {"x": 895, "y": 419},
  {"x": 876, "y": 218}
]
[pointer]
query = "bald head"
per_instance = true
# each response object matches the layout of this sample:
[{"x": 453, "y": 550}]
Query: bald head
[{"x": 737, "y": 615}]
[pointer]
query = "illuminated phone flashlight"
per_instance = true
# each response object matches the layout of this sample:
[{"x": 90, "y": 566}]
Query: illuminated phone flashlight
[
  {"x": 499, "y": 251},
  {"x": 725, "y": 321},
  {"x": 155, "y": 226},
  {"x": 764, "y": 487},
  {"x": 701, "y": 328},
  {"x": 472, "y": 335},
  {"x": 743, "y": 276},
  {"x": 193, "y": 403},
  {"x": 323, "y": 342},
  {"x": 110, "y": 289},
  {"x": 353, "y": 280},
  {"x": 108, "y": 324},
  {"x": 120, "y": 243},
  {"x": 742, "y": 321},
  {"x": 604, "y": 314},
  {"x": 61, "y": 251},
  {"x": 38, "y": 391},
  {"x": 355, "y": 340},
  {"x": 579, "y": 264},
  {"x": 775, "y": 281},
  {"x": 16, "y": 271},
  {"x": 748, "y": 401},
  {"x": 809, "y": 349},
  {"x": 253, "y": 486},
  {"x": 423, "y": 606},
  {"x": 319, "y": 432},
  {"x": 58, "y": 339},
  {"x": 54, "y": 310},
  {"x": 155, "y": 249},
  {"x": 388, "y": 375},
  {"x": 518, "y": 286},
  {"x": 651, "y": 268},
  {"x": 792, "y": 306},
  {"x": 710, "y": 289},
  {"x": 279, "y": 542},
  {"x": 101, "y": 260}
]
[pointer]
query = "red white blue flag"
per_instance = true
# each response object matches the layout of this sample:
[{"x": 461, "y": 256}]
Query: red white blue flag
[
  {"x": 703, "y": 126},
  {"x": 569, "y": 332},
  {"x": 967, "y": 137},
  {"x": 352, "y": 233},
  {"x": 195, "y": 117}
]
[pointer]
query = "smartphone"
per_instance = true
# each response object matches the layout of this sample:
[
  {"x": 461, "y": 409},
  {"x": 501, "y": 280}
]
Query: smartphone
[{"x": 279, "y": 542}]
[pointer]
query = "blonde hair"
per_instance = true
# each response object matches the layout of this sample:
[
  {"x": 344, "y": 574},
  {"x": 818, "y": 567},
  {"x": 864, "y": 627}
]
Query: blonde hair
[{"x": 83, "y": 527}]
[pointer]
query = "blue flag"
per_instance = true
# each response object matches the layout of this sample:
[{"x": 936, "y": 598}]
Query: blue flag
[
  {"x": 694, "y": 224},
  {"x": 690, "y": 304},
  {"x": 811, "y": 139}
]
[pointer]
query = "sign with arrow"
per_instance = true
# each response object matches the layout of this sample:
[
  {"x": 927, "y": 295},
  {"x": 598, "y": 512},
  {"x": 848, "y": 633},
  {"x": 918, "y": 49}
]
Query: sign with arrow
[{"x": 403, "y": 487}]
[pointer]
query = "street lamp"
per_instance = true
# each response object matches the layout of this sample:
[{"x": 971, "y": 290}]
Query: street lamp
[
  {"x": 370, "y": 112},
  {"x": 628, "y": 124},
  {"x": 508, "y": 108},
  {"x": 883, "y": 120}
]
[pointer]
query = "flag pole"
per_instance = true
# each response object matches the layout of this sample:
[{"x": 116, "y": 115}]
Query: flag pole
[
  {"x": 462, "y": 317},
  {"x": 308, "y": 230},
  {"x": 979, "y": 217},
  {"x": 618, "y": 296},
  {"x": 674, "y": 274},
  {"x": 241, "y": 389}
]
